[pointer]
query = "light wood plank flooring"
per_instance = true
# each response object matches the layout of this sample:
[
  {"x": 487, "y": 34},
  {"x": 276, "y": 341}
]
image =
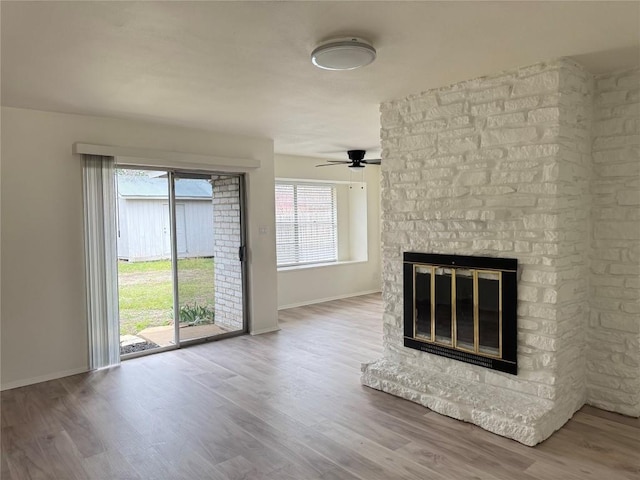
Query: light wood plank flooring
[{"x": 286, "y": 405}]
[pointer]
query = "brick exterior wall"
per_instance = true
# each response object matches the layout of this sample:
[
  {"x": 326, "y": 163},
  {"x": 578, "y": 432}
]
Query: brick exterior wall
[
  {"x": 227, "y": 241},
  {"x": 498, "y": 166}
]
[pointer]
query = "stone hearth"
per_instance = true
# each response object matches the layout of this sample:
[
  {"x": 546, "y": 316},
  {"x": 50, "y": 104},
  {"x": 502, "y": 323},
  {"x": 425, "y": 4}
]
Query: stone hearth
[{"x": 541, "y": 164}]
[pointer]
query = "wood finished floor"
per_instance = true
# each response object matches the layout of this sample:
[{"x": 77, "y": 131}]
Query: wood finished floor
[{"x": 285, "y": 405}]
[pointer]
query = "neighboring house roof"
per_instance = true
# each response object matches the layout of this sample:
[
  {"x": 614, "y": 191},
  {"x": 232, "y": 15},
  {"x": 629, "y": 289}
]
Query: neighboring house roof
[{"x": 141, "y": 186}]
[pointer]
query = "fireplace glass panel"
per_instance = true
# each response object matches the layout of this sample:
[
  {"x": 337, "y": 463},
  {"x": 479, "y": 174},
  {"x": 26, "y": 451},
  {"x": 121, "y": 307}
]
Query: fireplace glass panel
[
  {"x": 489, "y": 312},
  {"x": 423, "y": 301},
  {"x": 443, "y": 305},
  {"x": 462, "y": 307},
  {"x": 464, "y": 310}
]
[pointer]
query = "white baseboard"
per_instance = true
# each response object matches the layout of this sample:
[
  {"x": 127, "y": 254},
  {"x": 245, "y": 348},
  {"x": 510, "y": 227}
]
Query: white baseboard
[
  {"x": 327, "y": 299},
  {"x": 41, "y": 378}
]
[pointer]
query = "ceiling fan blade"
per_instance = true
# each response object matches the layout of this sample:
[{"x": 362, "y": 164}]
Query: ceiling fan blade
[
  {"x": 372, "y": 161},
  {"x": 334, "y": 163}
]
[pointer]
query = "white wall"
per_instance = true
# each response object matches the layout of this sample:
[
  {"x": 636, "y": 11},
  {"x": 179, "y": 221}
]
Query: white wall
[
  {"x": 44, "y": 332},
  {"x": 314, "y": 284}
]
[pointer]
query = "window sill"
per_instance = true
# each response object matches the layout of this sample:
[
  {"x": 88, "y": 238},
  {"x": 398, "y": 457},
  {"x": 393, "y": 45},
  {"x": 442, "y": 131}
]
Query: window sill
[{"x": 294, "y": 268}]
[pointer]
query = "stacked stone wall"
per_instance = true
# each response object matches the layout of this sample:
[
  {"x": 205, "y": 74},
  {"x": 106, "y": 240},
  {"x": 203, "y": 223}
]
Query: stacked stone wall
[
  {"x": 498, "y": 166},
  {"x": 613, "y": 334},
  {"x": 573, "y": 177}
]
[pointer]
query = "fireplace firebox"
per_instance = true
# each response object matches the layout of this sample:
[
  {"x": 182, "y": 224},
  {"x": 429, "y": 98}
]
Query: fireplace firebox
[{"x": 462, "y": 307}]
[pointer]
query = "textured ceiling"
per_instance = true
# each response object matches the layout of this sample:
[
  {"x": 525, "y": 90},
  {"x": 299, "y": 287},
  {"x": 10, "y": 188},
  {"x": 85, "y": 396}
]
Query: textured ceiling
[{"x": 243, "y": 67}]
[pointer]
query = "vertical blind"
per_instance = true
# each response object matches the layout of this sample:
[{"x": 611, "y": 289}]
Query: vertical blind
[
  {"x": 101, "y": 261},
  {"x": 306, "y": 223}
]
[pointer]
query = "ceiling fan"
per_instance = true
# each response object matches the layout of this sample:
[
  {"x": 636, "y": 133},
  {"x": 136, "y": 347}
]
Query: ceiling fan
[{"x": 356, "y": 160}]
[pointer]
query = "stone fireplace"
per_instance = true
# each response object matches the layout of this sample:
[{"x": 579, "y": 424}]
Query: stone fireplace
[{"x": 540, "y": 165}]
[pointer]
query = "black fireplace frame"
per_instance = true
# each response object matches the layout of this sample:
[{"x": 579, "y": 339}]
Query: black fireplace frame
[{"x": 508, "y": 362}]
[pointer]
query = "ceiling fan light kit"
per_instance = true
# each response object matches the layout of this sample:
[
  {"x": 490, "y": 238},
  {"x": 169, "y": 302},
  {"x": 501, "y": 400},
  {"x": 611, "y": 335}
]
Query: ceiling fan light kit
[{"x": 344, "y": 53}]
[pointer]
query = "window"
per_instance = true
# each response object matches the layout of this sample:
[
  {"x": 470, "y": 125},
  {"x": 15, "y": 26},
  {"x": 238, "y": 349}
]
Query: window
[{"x": 306, "y": 223}]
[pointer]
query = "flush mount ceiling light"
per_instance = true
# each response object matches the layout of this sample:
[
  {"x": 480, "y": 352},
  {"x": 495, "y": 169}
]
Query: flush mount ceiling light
[{"x": 345, "y": 53}]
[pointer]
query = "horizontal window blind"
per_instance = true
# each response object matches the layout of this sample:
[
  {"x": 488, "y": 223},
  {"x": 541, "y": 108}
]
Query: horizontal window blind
[{"x": 306, "y": 223}]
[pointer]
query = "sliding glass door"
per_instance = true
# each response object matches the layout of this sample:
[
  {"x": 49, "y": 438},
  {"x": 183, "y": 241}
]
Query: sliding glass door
[
  {"x": 180, "y": 251},
  {"x": 210, "y": 287}
]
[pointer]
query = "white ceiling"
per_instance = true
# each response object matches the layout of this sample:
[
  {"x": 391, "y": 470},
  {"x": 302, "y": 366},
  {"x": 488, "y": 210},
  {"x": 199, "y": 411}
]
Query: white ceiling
[{"x": 244, "y": 67}]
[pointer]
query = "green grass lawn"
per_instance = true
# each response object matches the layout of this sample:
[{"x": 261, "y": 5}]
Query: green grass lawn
[{"x": 146, "y": 291}]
